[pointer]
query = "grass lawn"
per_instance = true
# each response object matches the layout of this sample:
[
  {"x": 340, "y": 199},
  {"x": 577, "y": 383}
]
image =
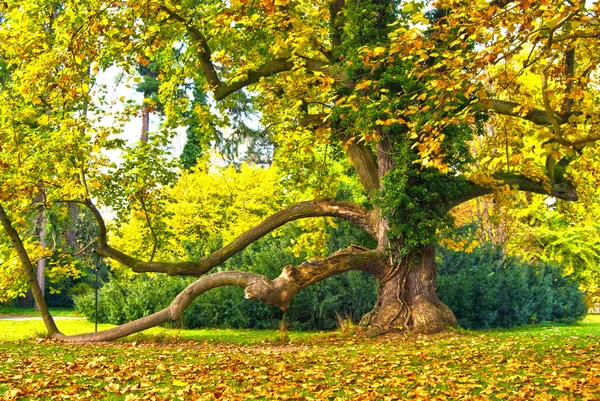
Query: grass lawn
[
  {"x": 11, "y": 311},
  {"x": 544, "y": 362}
]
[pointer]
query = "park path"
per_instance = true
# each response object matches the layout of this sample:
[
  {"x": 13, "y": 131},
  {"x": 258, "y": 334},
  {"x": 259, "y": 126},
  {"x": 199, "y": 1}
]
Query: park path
[{"x": 10, "y": 317}]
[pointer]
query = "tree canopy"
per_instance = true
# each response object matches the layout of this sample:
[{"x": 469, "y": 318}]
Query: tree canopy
[{"x": 432, "y": 104}]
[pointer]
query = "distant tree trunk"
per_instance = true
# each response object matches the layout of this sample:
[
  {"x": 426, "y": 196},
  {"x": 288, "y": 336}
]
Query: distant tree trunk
[
  {"x": 41, "y": 263},
  {"x": 145, "y": 122},
  {"x": 28, "y": 268},
  {"x": 407, "y": 297},
  {"x": 26, "y": 301},
  {"x": 71, "y": 235}
]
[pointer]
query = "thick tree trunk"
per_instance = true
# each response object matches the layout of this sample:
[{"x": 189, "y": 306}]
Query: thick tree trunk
[{"x": 407, "y": 298}]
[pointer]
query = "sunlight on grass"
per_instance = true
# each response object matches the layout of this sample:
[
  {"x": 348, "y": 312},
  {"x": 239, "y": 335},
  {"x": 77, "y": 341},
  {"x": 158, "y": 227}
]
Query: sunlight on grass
[{"x": 12, "y": 330}]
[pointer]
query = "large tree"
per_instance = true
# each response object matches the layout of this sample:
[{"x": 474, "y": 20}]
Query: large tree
[{"x": 432, "y": 104}]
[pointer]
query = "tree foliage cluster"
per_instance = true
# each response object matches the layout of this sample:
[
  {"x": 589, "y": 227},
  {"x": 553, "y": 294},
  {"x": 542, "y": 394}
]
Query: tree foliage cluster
[{"x": 536, "y": 231}]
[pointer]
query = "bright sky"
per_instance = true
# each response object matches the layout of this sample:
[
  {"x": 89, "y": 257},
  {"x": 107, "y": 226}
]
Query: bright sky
[{"x": 117, "y": 88}]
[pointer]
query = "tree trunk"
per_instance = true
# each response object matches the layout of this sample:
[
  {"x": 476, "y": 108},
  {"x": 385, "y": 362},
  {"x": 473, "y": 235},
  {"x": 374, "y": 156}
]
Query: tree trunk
[
  {"x": 407, "y": 298},
  {"x": 41, "y": 263},
  {"x": 29, "y": 272}
]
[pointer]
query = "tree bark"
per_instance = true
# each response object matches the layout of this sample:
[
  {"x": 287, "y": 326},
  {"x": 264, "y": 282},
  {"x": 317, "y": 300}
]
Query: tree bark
[
  {"x": 29, "y": 271},
  {"x": 41, "y": 263},
  {"x": 407, "y": 299},
  {"x": 145, "y": 122}
]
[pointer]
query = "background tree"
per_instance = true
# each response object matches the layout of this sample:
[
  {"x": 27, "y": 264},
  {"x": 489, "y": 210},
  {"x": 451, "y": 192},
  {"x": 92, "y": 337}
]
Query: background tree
[{"x": 400, "y": 94}]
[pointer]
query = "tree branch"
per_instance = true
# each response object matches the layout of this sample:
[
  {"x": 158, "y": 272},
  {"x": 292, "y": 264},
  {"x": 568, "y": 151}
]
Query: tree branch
[
  {"x": 536, "y": 116},
  {"x": 560, "y": 190},
  {"x": 541, "y": 117},
  {"x": 278, "y": 292},
  {"x": 271, "y": 68},
  {"x": 223, "y": 89},
  {"x": 365, "y": 165},
  {"x": 204, "y": 51},
  {"x": 318, "y": 208}
]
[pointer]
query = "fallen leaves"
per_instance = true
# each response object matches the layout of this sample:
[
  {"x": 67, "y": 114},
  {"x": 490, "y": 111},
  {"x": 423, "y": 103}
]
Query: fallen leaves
[{"x": 488, "y": 366}]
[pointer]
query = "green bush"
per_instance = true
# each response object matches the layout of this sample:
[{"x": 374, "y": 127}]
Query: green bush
[{"x": 487, "y": 289}]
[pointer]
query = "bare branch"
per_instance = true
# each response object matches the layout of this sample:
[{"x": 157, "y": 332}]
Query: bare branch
[
  {"x": 172, "y": 312},
  {"x": 318, "y": 208},
  {"x": 149, "y": 222},
  {"x": 280, "y": 291}
]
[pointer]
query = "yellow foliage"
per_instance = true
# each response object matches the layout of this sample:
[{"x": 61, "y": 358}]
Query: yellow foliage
[{"x": 208, "y": 208}]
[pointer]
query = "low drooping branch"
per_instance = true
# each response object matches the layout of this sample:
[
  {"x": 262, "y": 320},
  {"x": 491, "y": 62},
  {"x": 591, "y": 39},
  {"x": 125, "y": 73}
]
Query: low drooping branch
[
  {"x": 278, "y": 292},
  {"x": 173, "y": 312},
  {"x": 318, "y": 208},
  {"x": 560, "y": 190},
  {"x": 29, "y": 272}
]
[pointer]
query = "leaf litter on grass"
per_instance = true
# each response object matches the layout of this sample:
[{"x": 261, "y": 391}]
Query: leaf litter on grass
[{"x": 543, "y": 364}]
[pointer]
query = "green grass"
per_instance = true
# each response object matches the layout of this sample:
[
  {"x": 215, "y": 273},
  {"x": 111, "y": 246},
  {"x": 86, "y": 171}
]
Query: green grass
[
  {"x": 15, "y": 330},
  {"x": 541, "y": 362},
  {"x": 12, "y": 311}
]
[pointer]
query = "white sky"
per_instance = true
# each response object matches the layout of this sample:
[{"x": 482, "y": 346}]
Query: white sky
[{"x": 119, "y": 88}]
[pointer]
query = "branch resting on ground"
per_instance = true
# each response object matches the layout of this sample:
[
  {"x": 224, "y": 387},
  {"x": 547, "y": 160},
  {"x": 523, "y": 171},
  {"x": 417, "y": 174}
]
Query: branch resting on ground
[
  {"x": 277, "y": 292},
  {"x": 317, "y": 208}
]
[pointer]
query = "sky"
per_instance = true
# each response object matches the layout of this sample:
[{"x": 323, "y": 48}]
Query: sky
[{"x": 124, "y": 87}]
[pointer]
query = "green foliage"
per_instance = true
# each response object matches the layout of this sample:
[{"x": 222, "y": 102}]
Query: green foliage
[{"x": 486, "y": 289}]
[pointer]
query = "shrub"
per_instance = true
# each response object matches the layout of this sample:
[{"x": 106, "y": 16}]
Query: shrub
[{"x": 487, "y": 289}]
